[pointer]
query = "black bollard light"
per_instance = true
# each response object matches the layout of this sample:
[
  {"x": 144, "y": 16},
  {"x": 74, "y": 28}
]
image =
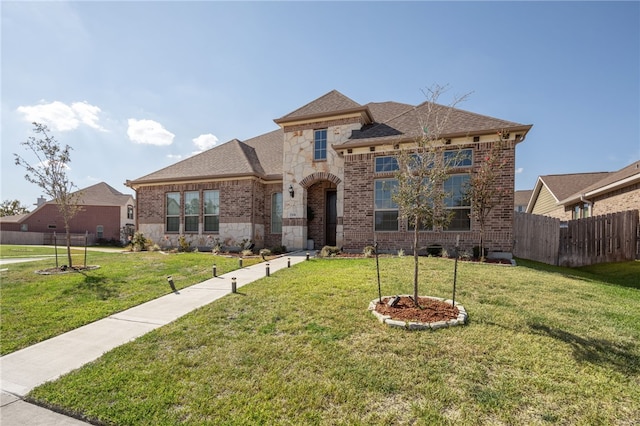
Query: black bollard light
[
  {"x": 268, "y": 272},
  {"x": 215, "y": 271},
  {"x": 233, "y": 285},
  {"x": 288, "y": 262},
  {"x": 240, "y": 262},
  {"x": 307, "y": 255},
  {"x": 170, "y": 279}
]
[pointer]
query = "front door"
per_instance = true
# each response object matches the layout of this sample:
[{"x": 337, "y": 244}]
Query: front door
[{"x": 332, "y": 218}]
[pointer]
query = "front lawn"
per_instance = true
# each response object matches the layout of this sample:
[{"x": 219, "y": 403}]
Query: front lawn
[
  {"x": 36, "y": 307},
  {"x": 544, "y": 345}
]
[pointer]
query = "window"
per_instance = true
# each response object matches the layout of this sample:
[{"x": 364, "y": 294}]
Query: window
[
  {"x": 386, "y": 164},
  {"x": 459, "y": 158},
  {"x": 211, "y": 211},
  {"x": 276, "y": 213},
  {"x": 455, "y": 201},
  {"x": 581, "y": 211},
  {"x": 320, "y": 144},
  {"x": 173, "y": 212},
  {"x": 129, "y": 212},
  {"x": 191, "y": 211},
  {"x": 99, "y": 231},
  {"x": 385, "y": 209},
  {"x": 24, "y": 227}
]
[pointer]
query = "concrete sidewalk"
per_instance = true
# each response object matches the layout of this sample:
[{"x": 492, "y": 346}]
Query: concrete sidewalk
[{"x": 23, "y": 370}]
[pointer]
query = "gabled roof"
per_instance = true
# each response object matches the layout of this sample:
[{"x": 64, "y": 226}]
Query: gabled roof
[
  {"x": 100, "y": 194},
  {"x": 522, "y": 197},
  {"x": 410, "y": 124},
  {"x": 610, "y": 182},
  {"x": 260, "y": 156},
  {"x": 561, "y": 186},
  {"x": 332, "y": 103}
]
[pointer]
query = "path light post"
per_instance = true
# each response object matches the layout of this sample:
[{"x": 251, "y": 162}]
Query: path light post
[
  {"x": 288, "y": 262},
  {"x": 170, "y": 280},
  {"x": 455, "y": 270},
  {"x": 233, "y": 285},
  {"x": 267, "y": 270},
  {"x": 307, "y": 255},
  {"x": 240, "y": 262},
  {"x": 215, "y": 270},
  {"x": 375, "y": 248}
]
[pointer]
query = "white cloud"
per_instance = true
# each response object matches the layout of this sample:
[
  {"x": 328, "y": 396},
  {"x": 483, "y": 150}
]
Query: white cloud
[
  {"x": 519, "y": 170},
  {"x": 204, "y": 142},
  {"x": 149, "y": 132},
  {"x": 62, "y": 117},
  {"x": 174, "y": 157}
]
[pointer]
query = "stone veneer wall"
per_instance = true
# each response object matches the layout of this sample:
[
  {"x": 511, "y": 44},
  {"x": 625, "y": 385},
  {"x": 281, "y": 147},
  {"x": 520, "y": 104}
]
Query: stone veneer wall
[
  {"x": 299, "y": 164},
  {"x": 359, "y": 214}
]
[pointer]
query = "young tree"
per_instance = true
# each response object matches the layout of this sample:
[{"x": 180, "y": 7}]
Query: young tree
[
  {"x": 12, "y": 207},
  {"x": 50, "y": 174},
  {"x": 483, "y": 190},
  {"x": 422, "y": 171}
]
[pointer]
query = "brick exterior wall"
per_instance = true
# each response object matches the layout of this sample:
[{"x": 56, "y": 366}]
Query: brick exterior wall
[
  {"x": 622, "y": 199},
  {"x": 86, "y": 220},
  {"x": 242, "y": 202},
  {"x": 359, "y": 213}
]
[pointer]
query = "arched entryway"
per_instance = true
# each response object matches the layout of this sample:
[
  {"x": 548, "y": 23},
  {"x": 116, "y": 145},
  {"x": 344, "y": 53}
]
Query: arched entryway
[{"x": 322, "y": 208}]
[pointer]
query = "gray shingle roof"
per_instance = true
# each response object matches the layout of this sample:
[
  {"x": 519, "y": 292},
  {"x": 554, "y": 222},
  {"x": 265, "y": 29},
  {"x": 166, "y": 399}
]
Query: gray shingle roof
[
  {"x": 606, "y": 179},
  {"x": 262, "y": 156},
  {"x": 561, "y": 186}
]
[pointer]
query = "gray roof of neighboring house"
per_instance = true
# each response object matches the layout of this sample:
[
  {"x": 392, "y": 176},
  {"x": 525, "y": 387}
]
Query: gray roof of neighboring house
[
  {"x": 607, "y": 179},
  {"x": 561, "y": 186},
  {"x": 522, "y": 197},
  {"x": 262, "y": 156},
  {"x": 100, "y": 194}
]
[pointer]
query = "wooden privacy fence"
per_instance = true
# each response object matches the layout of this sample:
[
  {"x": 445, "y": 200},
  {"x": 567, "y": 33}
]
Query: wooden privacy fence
[{"x": 599, "y": 239}]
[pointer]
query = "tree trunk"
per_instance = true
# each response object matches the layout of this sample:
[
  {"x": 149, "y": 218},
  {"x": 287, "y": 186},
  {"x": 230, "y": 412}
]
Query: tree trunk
[
  {"x": 68, "y": 245},
  {"x": 482, "y": 241},
  {"x": 415, "y": 263}
]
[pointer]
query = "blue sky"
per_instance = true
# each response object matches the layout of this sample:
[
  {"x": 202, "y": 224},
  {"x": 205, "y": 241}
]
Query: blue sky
[{"x": 135, "y": 86}]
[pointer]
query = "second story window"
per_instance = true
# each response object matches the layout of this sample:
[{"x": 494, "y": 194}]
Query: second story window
[{"x": 320, "y": 144}]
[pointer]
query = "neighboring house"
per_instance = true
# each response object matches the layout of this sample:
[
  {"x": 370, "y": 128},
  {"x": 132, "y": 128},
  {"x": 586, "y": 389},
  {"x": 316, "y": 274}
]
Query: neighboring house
[
  {"x": 521, "y": 200},
  {"x": 618, "y": 191},
  {"x": 105, "y": 214},
  {"x": 576, "y": 196},
  {"x": 550, "y": 189},
  {"x": 325, "y": 175}
]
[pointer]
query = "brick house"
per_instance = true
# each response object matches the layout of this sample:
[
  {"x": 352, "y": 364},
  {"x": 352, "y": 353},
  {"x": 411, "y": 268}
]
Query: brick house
[
  {"x": 104, "y": 213},
  {"x": 322, "y": 179},
  {"x": 617, "y": 191},
  {"x": 580, "y": 195}
]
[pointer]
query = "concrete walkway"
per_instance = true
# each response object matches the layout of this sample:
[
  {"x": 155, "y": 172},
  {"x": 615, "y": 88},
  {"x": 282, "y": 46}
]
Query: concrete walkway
[{"x": 23, "y": 370}]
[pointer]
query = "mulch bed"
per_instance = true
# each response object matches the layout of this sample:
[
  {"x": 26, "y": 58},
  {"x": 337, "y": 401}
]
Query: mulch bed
[
  {"x": 430, "y": 310},
  {"x": 64, "y": 269}
]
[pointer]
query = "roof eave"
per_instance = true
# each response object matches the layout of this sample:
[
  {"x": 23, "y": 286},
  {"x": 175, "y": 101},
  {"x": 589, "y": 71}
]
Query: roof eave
[
  {"x": 604, "y": 189},
  {"x": 135, "y": 184}
]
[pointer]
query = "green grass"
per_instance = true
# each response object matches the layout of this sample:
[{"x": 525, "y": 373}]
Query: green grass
[
  {"x": 36, "y": 307},
  {"x": 14, "y": 251},
  {"x": 544, "y": 345}
]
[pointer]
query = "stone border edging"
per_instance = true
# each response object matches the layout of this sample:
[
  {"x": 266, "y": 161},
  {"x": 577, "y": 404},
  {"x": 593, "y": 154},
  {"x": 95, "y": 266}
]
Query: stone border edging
[{"x": 414, "y": 325}]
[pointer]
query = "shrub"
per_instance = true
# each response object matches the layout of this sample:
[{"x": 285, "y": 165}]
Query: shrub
[
  {"x": 329, "y": 251},
  {"x": 401, "y": 253},
  {"x": 369, "y": 251},
  {"x": 247, "y": 252},
  {"x": 278, "y": 250},
  {"x": 139, "y": 242},
  {"x": 183, "y": 244}
]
